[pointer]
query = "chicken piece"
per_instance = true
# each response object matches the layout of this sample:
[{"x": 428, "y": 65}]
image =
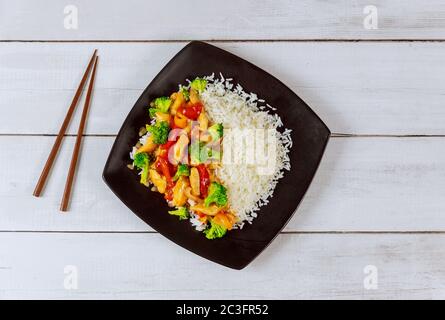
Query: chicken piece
[
  {"x": 194, "y": 181},
  {"x": 159, "y": 181},
  {"x": 160, "y": 116},
  {"x": 211, "y": 210},
  {"x": 190, "y": 195},
  {"x": 225, "y": 219},
  {"x": 149, "y": 145},
  {"x": 179, "y": 100},
  {"x": 180, "y": 148},
  {"x": 203, "y": 121},
  {"x": 194, "y": 96},
  {"x": 180, "y": 120},
  {"x": 179, "y": 196}
]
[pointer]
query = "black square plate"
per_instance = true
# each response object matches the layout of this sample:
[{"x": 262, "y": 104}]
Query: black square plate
[{"x": 309, "y": 134}]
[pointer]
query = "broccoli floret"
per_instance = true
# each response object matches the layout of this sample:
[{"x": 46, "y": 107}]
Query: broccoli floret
[
  {"x": 159, "y": 132},
  {"x": 152, "y": 112},
  {"x": 161, "y": 104},
  {"x": 185, "y": 93},
  {"x": 142, "y": 161},
  {"x": 144, "y": 176},
  {"x": 215, "y": 231},
  {"x": 216, "y": 131},
  {"x": 199, "y": 84},
  {"x": 181, "y": 212},
  {"x": 217, "y": 194},
  {"x": 183, "y": 170}
]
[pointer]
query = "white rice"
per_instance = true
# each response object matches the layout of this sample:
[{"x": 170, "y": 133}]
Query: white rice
[
  {"x": 133, "y": 152},
  {"x": 144, "y": 138},
  {"x": 230, "y": 105},
  {"x": 196, "y": 223}
]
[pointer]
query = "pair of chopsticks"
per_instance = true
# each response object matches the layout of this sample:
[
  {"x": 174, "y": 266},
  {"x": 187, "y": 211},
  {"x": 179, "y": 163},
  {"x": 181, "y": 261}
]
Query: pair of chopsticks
[{"x": 61, "y": 134}]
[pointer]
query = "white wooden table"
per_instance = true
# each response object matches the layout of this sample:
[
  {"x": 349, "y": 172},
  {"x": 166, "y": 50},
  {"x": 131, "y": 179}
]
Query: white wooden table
[{"x": 373, "y": 222}]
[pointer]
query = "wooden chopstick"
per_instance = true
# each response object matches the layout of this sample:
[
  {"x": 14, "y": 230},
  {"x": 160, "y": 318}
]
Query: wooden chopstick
[
  {"x": 76, "y": 151},
  {"x": 52, "y": 155}
]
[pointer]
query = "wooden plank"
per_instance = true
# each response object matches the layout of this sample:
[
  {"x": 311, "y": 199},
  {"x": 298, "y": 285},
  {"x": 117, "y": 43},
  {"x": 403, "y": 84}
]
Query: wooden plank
[
  {"x": 200, "y": 19},
  {"x": 357, "y": 88},
  {"x": 363, "y": 184},
  {"x": 145, "y": 266}
]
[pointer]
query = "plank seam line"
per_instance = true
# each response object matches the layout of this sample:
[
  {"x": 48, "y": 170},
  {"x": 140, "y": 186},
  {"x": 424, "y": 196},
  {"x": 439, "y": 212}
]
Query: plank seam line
[
  {"x": 333, "y": 135},
  {"x": 366, "y": 135},
  {"x": 410, "y": 232},
  {"x": 54, "y": 135},
  {"x": 214, "y": 40}
]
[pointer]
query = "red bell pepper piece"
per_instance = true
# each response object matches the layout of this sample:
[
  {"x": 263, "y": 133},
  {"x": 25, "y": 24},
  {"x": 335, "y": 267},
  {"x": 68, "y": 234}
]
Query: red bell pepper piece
[
  {"x": 204, "y": 180},
  {"x": 191, "y": 111},
  {"x": 163, "y": 166}
]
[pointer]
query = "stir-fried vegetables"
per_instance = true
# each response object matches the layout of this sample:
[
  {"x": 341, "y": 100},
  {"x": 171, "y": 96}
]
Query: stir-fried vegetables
[
  {"x": 179, "y": 196},
  {"x": 180, "y": 120},
  {"x": 180, "y": 148},
  {"x": 204, "y": 180},
  {"x": 159, "y": 181},
  {"x": 142, "y": 161},
  {"x": 185, "y": 93},
  {"x": 159, "y": 132},
  {"x": 148, "y": 146},
  {"x": 194, "y": 96},
  {"x": 199, "y": 84},
  {"x": 181, "y": 212},
  {"x": 180, "y": 163},
  {"x": 191, "y": 110},
  {"x": 161, "y": 105},
  {"x": 195, "y": 182},
  {"x": 179, "y": 100},
  {"x": 163, "y": 166},
  {"x": 183, "y": 170},
  {"x": 224, "y": 219},
  {"x": 208, "y": 210},
  {"x": 216, "y": 131},
  {"x": 215, "y": 230},
  {"x": 217, "y": 195}
]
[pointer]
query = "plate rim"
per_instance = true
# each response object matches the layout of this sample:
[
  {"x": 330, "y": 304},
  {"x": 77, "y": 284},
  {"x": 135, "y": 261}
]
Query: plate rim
[{"x": 326, "y": 138}]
